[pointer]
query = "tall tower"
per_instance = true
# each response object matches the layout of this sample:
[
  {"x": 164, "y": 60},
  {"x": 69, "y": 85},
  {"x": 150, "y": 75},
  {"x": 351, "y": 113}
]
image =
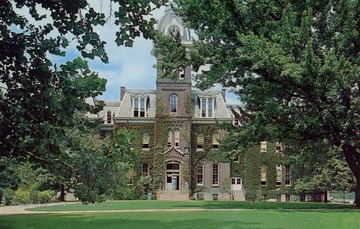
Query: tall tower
[
  {"x": 173, "y": 119},
  {"x": 181, "y": 85}
]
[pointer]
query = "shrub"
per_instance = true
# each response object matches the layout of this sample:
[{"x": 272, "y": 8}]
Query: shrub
[
  {"x": 22, "y": 197},
  {"x": 8, "y": 195},
  {"x": 45, "y": 196}
]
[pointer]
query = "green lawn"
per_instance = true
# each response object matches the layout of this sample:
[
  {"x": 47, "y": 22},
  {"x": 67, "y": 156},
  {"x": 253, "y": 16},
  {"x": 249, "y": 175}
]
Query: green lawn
[
  {"x": 214, "y": 215},
  {"x": 136, "y": 205}
]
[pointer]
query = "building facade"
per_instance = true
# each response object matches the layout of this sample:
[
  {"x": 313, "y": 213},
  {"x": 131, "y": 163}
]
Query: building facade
[{"x": 179, "y": 131}]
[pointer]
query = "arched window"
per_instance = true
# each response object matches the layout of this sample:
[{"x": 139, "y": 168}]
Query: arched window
[
  {"x": 200, "y": 174},
  {"x": 215, "y": 174},
  {"x": 145, "y": 170},
  {"x": 173, "y": 103},
  {"x": 108, "y": 117}
]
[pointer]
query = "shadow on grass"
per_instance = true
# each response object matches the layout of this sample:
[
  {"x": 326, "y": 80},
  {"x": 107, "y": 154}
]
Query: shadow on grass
[
  {"x": 265, "y": 205},
  {"x": 111, "y": 221}
]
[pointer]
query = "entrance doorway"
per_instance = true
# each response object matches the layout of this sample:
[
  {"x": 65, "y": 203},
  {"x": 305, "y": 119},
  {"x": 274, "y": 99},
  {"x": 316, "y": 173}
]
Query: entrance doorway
[{"x": 172, "y": 176}]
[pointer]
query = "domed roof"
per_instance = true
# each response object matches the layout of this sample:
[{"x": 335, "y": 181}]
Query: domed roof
[{"x": 171, "y": 23}]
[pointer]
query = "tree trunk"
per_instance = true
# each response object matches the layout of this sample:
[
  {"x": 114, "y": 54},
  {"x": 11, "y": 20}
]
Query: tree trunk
[
  {"x": 62, "y": 193},
  {"x": 352, "y": 157}
]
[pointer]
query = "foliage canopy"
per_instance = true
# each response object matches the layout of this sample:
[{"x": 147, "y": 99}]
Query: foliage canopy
[{"x": 294, "y": 64}]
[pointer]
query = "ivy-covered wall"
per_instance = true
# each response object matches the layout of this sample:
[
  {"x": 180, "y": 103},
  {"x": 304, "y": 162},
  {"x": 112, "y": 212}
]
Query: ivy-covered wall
[
  {"x": 249, "y": 168},
  {"x": 207, "y": 154}
]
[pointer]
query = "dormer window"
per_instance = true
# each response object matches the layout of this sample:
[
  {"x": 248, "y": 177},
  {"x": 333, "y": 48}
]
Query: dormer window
[
  {"x": 173, "y": 104},
  {"x": 139, "y": 106},
  {"x": 207, "y": 107}
]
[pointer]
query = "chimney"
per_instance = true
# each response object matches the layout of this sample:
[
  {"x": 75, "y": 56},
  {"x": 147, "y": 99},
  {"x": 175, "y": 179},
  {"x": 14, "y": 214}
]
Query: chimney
[
  {"x": 223, "y": 94},
  {"x": 122, "y": 93}
]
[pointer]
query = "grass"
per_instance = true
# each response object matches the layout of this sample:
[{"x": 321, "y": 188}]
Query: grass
[
  {"x": 223, "y": 215},
  {"x": 138, "y": 205}
]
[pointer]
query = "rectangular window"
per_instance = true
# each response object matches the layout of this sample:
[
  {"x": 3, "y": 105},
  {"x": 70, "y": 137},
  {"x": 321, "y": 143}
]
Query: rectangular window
[
  {"x": 177, "y": 139},
  {"x": 109, "y": 118},
  {"x": 203, "y": 108},
  {"x": 210, "y": 108},
  {"x": 279, "y": 174},
  {"x": 200, "y": 141},
  {"x": 215, "y": 180},
  {"x": 263, "y": 146},
  {"x": 145, "y": 170},
  {"x": 287, "y": 175},
  {"x": 146, "y": 140},
  {"x": 136, "y": 107},
  {"x": 207, "y": 106},
  {"x": 139, "y": 107},
  {"x": 236, "y": 121},
  {"x": 200, "y": 174},
  {"x": 142, "y": 107},
  {"x": 278, "y": 147},
  {"x": 263, "y": 171},
  {"x": 169, "y": 143},
  {"x": 215, "y": 141}
]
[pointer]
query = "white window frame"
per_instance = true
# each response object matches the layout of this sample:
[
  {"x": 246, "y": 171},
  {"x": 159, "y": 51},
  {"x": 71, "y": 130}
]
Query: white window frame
[
  {"x": 215, "y": 184},
  {"x": 141, "y": 107},
  {"x": 207, "y": 107}
]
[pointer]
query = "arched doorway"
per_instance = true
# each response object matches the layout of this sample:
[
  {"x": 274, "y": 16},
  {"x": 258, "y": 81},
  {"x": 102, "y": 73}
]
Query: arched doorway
[{"x": 172, "y": 176}]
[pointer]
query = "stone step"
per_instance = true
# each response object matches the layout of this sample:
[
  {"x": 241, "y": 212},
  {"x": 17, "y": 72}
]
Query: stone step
[{"x": 238, "y": 195}]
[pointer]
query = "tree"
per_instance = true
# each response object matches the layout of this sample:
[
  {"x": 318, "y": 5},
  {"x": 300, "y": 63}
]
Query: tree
[
  {"x": 294, "y": 64},
  {"x": 324, "y": 170},
  {"x": 39, "y": 97},
  {"x": 97, "y": 167}
]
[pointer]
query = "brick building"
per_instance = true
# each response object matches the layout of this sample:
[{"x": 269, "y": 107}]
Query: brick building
[{"x": 179, "y": 131}]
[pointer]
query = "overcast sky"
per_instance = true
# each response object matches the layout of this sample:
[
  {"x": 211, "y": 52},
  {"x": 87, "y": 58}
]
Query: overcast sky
[{"x": 130, "y": 67}]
